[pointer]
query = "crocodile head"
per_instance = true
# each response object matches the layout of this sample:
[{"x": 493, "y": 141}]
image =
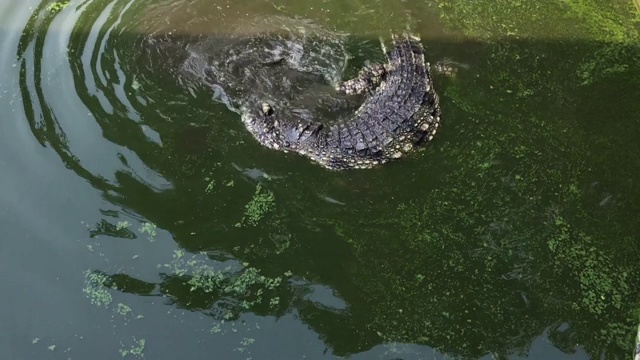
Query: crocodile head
[
  {"x": 283, "y": 129},
  {"x": 263, "y": 125}
]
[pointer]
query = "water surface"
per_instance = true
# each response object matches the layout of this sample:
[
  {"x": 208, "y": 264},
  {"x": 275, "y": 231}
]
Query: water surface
[{"x": 140, "y": 219}]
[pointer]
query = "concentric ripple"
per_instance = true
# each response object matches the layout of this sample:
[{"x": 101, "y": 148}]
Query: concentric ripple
[
  {"x": 78, "y": 94},
  {"x": 105, "y": 83}
]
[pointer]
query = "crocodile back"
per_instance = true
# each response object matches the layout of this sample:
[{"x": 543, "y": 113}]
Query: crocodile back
[
  {"x": 402, "y": 112},
  {"x": 399, "y": 114}
]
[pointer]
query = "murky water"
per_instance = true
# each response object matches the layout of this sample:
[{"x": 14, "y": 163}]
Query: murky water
[{"x": 140, "y": 219}]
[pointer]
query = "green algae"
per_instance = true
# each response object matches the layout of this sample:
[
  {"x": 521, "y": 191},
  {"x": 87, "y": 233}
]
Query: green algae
[
  {"x": 136, "y": 348},
  {"x": 119, "y": 230},
  {"x": 149, "y": 229},
  {"x": 262, "y": 203},
  {"x": 95, "y": 288},
  {"x": 244, "y": 288},
  {"x": 123, "y": 309},
  {"x": 610, "y": 21},
  {"x": 490, "y": 20},
  {"x": 505, "y": 235},
  {"x": 611, "y": 26},
  {"x": 499, "y": 244},
  {"x": 603, "y": 286},
  {"x": 57, "y": 6}
]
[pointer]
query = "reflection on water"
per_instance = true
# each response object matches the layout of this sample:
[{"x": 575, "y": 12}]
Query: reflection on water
[{"x": 141, "y": 218}]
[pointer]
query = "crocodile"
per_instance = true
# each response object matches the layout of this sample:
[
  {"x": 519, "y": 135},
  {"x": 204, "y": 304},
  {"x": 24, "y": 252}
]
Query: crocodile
[
  {"x": 400, "y": 113},
  {"x": 284, "y": 82}
]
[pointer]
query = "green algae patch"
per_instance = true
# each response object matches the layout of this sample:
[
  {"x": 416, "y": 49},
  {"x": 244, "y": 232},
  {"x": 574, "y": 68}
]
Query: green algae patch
[
  {"x": 610, "y": 21},
  {"x": 106, "y": 228},
  {"x": 507, "y": 236},
  {"x": 95, "y": 288},
  {"x": 601, "y": 286},
  {"x": 262, "y": 203},
  {"x": 150, "y": 230},
  {"x": 608, "y": 60},
  {"x": 236, "y": 287},
  {"x": 614, "y": 26},
  {"x": 136, "y": 348},
  {"x": 494, "y": 19},
  {"x": 123, "y": 309},
  {"x": 57, "y": 6},
  {"x": 611, "y": 26}
]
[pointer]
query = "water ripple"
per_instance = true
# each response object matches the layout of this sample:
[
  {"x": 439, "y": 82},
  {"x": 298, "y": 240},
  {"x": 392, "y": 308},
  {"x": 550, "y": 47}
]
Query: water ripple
[
  {"x": 103, "y": 82},
  {"x": 77, "y": 94}
]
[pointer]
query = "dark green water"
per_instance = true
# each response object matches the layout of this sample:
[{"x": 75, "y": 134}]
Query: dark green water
[{"x": 140, "y": 219}]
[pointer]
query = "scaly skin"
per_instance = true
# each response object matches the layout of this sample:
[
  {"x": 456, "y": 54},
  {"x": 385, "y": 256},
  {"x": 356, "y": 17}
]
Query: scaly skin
[{"x": 400, "y": 113}]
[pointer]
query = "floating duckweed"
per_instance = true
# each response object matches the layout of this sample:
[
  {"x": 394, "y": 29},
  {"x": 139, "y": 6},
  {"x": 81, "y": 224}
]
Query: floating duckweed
[
  {"x": 123, "y": 309},
  {"x": 58, "y": 5},
  {"x": 608, "y": 60},
  {"x": 602, "y": 284},
  {"x": 210, "y": 185},
  {"x": 216, "y": 329},
  {"x": 150, "y": 229},
  {"x": 274, "y": 302},
  {"x": 282, "y": 242},
  {"x": 262, "y": 203},
  {"x": 249, "y": 277},
  {"x": 247, "y": 341},
  {"x": 136, "y": 349},
  {"x": 246, "y": 286},
  {"x": 603, "y": 19},
  {"x": 96, "y": 289},
  {"x": 205, "y": 279},
  {"x": 122, "y": 225}
]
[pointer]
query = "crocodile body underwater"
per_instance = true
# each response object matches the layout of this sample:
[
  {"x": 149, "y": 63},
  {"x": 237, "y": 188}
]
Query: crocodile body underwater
[
  {"x": 286, "y": 86},
  {"x": 400, "y": 112}
]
